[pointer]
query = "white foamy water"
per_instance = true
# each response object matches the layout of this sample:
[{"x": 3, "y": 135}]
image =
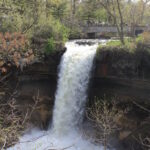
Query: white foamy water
[
  {"x": 73, "y": 82},
  {"x": 70, "y": 99}
]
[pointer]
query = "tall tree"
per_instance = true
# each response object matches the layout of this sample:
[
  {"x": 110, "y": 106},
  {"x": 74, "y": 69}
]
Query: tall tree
[
  {"x": 114, "y": 9},
  {"x": 137, "y": 13}
]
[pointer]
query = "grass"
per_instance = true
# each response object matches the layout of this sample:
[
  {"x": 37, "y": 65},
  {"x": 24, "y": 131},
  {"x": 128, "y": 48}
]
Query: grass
[
  {"x": 130, "y": 44},
  {"x": 143, "y": 38}
]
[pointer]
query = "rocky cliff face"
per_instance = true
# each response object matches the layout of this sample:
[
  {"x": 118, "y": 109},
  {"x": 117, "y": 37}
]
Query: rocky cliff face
[
  {"x": 113, "y": 76},
  {"x": 35, "y": 86},
  {"x": 124, "y": 72},
  {"x": 125, "y": 77}
]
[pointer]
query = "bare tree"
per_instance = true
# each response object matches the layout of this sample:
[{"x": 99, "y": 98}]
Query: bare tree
[
  {"x": 145, "y": 142},
  {"x": 113, "y": 8},
  {"x": 143, "y": 5},
  {"x": 136, "y": 13},
  {"x": 103, "y": 115}
]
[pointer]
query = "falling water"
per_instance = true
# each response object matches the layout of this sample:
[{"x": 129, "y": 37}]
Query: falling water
[
  {"x": 75, "y": 69},
  {"x": 73, "y": 82}
]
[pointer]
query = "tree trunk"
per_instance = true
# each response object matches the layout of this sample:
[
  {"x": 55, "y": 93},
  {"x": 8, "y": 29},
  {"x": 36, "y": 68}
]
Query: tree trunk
[
  {"x": 74, "y": 7},
  {"x": 121, "y": 23},
  {"x": 113, "y": 14},
  {"x": 105, "y": 141},
  {"x": 46, "y": 7}
]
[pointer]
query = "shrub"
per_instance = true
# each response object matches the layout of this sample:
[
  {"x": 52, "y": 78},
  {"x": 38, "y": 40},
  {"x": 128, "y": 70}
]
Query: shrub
[
  {"x": 43, "y": 31},
  {"x": 102, "y": 113},
  {"x": 114, "y": 43},
  {"x": 50, "y": 47},
  {"x": 14, "y": 50},
  {"x": 143, "y": 38},
  {"x": 52, "y": 35},
  {"x": 130, "y": 45},
  {"x": 59, "y": 32},
  {"x": 11, "y": 123},
  {"x": 75, "y": 33}
]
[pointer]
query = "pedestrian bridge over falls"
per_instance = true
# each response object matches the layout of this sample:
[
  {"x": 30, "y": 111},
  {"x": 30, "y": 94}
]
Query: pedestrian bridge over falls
[{"x": 97, "y": 31}]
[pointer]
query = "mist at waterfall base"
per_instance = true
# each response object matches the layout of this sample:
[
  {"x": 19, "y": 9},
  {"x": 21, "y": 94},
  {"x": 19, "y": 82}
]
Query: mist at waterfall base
[{"x": 70, "y": 99}]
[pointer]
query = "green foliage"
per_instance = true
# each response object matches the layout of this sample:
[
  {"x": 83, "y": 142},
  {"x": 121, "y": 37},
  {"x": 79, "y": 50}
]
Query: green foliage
[
  {"x": 53, "y": 33},
  {"x": 90, "y": 11},
  {"x": 143, "y": 38},
  {"x": 37, "y": 19},
  {"x": 58, "y": 8},
  {"x": 139, "y": 39},
  {"x": 50, "y": 47},
  {"x": 16, "y": 15},
  {"x": 60, "y": 32},
  {"x": 114, "y": 43},
  {"x": 27, "y": 16},
  {"x": 75, "y": 33},
  {"x": 130, "y": 44},
  {"x": 100, "y": 15}
]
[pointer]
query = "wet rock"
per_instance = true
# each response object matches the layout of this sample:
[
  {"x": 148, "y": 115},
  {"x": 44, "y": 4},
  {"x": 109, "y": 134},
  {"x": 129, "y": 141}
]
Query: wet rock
[
  {"x": 124, "y": 134},
  {"x": 36, "y": 89},
  {"x": 85, "y": 43},
  {"x": 41, "y": 116},
  {"x": 125, "y": 122}
]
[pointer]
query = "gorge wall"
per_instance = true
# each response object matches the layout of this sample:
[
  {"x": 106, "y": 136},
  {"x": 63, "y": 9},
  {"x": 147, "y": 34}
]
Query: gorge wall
[{"x": 114, "y": 74}]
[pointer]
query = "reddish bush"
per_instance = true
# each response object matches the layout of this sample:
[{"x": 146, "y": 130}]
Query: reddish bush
[{"x": 14, "y": 50}]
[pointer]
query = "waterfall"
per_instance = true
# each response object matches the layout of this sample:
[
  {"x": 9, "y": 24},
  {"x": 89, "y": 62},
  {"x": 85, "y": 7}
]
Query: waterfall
[
  {"x": 75, "y": 68},
  {"x": 70, "y": 99}
]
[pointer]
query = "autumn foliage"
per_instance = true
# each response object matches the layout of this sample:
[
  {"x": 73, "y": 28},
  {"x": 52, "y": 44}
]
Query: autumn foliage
[{"x": 14, "y": 51}]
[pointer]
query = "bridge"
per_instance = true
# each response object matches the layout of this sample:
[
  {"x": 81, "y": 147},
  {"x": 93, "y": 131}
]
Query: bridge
[{"x": 98, "y": 31}]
